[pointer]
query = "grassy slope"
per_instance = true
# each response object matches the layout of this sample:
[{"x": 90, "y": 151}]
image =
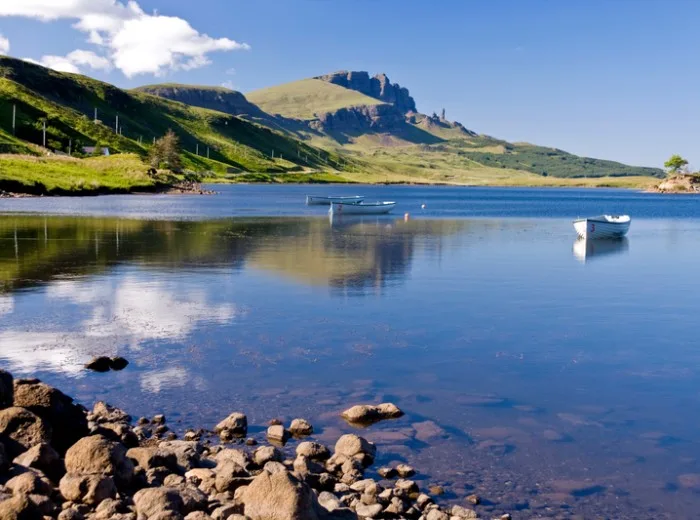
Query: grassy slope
[
  {"x": 303, "y": 99},
  {"x": 63, "y": 175},
  {"x": 67, "y": 103}
]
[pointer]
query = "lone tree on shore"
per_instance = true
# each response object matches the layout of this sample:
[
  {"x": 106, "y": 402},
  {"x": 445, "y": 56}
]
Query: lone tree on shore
[
  {"x": 676, "y": 164},
  {"x": 166, "y": 150}
]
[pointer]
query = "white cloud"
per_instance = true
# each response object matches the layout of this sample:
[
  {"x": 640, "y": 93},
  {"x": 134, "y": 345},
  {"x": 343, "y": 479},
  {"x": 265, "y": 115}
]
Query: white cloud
[
  {"x": 229, "y": 85},
  {"x": 73, "y": 61},
  {"x": 136, "y": 42},
  {"x": 231, "y": 72},
  {"x": 4, "y": 45}
]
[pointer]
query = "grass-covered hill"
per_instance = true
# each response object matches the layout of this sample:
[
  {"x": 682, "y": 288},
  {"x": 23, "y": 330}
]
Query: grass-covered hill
[{"x": 66, "y": 103}]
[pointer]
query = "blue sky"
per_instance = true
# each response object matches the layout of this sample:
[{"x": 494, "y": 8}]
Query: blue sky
[{"x": 615, "y": 79}]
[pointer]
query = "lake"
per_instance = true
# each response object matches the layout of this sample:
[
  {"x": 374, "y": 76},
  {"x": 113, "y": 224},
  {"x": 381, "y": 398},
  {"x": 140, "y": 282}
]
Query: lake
[{"x": 552, "y": 378}]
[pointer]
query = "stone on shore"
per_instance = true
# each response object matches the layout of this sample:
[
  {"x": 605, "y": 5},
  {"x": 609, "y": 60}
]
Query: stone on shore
[
  {"x": 266, "y": 454},
  {"x": 235, "y": 424},
  {"x": 301, "y": 428},
  {"x": 87, "y": 489},
  {"x": 277, "y": 434},
  {"x": 279, "y": 496},
  {"x": 29, "y": 483},
  {"x": 463, "y": 512},
  {"x": 21, "y": 429},
  {"x": 44, "y": 458},
  {"x": 95, "y": 455},
  {"x": 405, "y": 471},
  {"x": 68, "y": 421},
  {"x": 150, "y": 502},
  {"x": 313, "y": 450},
  {"x": 362, "y": 414},
  {"x": 354, "y": 446},
  {"x": 148, "y": 458}
]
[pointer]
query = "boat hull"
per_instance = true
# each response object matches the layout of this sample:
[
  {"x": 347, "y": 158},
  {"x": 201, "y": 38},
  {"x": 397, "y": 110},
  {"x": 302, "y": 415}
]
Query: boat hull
[
  {"x": 595, "y": 229},
  {"x": 361, "y": 209},
  {"x": 327, "y": 201}
]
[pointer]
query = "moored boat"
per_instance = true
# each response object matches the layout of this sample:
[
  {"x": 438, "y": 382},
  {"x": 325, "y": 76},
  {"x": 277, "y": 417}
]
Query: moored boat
[
  {"x": 362, "y": 208},
  {"x": 603, "y": 226},
  {"x": 327, "y": 201}
]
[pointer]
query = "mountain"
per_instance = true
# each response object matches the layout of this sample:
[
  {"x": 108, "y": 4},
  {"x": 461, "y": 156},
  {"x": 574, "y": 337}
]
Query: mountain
[
  {"x": 378, "y": 122},
  {"x": 214, "y": 140}
]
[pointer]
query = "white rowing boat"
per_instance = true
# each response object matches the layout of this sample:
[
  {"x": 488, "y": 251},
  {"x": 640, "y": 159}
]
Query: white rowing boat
[
  {"x": 327, "y": 201},
  {"x": 361, "y": 208},
  {"x": 603, "y": 226}
]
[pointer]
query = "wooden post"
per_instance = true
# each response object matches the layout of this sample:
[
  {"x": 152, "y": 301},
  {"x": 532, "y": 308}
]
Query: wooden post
[
  {"x": 70, "y": 146},
  {"x": 197, "y": 149},
  {"x": 14, "y": 118},
  {"x": 44, "y": 139},
  {"x": 207, "y": 152},
  {"x": 116, "y": 125}
]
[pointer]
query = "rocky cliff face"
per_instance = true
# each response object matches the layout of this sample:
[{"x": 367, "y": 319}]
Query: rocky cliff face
[
  {"x": 223, "y": 100},
  {"x": 360, "y": 119},
  {"x": 379, "y": 87}
]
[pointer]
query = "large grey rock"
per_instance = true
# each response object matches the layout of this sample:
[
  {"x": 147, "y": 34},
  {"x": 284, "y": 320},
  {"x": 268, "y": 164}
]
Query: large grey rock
[
  {"x": 230, "y": 476},
  {"x": 233, "y": 455},
  {"x": 21, "y": 429},
  {"x": 300, "y": 427},
  {"x": 379, "y": 87},
  {"x": 68, "y": 420},
  {"x": 187, "y": 453},
  {"x": 193, "y": 499},
  {"x": 19, "y": 507},
  {"x": 280, "y": 496},
  {"x": 87, "y": 489},
  {"x": 368, "y": 414},
  {"x": 95, "y": 455},
  {"x": 265, "y": 454},
  {"x": 152, "y": 501}
]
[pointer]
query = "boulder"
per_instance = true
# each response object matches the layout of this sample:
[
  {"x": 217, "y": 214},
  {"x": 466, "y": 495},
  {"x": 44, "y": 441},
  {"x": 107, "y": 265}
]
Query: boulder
[
  {"x": 87, "y": 489},
  {"x": 274, "y": 467},
  {"x": 95, "y": 455},
  {"x": 265, "y": 454},
  {"x": 352, "y": 445},
  {"x": 277, "y": 434},
  {"x": 99, "y": 364},
  {"x": 193, "y": 499},
  {"x": 29, "y": 483},
  {"x": 313, "y": 450},
  {"x": 463, "y": 512},
  {"x": 198, "y": 515},
  {"x": 19, "y": 507},
  {"x": 230, "y": 476},
  {"x": 152, "y": 457},
  {"x": 44, "y": 458},
  {"x": 301, "y": 428},
  {"x": 236, "y": 424},
  {"x": 187, "y": 453},
  {"x": 68, "y": 420},
  {"x": 367, "y": 414},
  {"x": 230, "y": 454},
  {"x": 203, "y": 478},
  {"x": 104, "y": 413},
  {"x": 21, "y": 429},
  {"x": 371, "y": 511},
  {"x": 280, "y": 496},
  {"x": 405, "y": 471},
  {"x": 118, "y": 363},
  {"x": 6, "y": 389},
  {"x": 436, "y": 514},
  {"x": 110, "y": 508},
  {"x": 150, "y": 502}
]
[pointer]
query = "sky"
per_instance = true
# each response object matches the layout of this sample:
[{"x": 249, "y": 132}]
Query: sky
[{"x": 612, "y": 79}]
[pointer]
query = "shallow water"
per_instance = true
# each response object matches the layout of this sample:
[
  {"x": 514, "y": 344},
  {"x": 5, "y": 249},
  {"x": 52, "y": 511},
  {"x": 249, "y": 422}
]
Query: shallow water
[{"x": 551, "y": 378}]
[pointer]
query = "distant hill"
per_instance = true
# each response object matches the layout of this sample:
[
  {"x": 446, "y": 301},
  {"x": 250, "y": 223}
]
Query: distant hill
[{"x": 67, "y": 104}]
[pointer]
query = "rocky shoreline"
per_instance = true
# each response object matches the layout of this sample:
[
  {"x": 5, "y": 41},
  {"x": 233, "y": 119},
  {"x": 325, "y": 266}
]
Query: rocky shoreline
[{"x": 60, "y": 461}]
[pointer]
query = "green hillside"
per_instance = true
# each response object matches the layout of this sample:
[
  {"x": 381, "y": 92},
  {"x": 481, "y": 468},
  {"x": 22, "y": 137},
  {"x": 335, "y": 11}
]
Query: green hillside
[
  {"x": 308, "y": 97},
  {"x": 67, "y": 104}
]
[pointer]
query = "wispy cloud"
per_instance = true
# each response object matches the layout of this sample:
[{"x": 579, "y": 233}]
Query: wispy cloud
[
  {"x": 4, "y": 45},
  {"x": 229, "y": 85},
  {"x": 128, "y": 38}
]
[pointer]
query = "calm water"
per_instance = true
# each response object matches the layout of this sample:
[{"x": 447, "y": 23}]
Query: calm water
[{"x": 551, "y": 378}]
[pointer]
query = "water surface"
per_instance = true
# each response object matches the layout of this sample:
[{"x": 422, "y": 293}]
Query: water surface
[{"x": 551, "y": 377}]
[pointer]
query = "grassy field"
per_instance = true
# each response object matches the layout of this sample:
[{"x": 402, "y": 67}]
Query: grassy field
[
  {"x": 303, "y": 99},
  {"x": 66, "y": 175}
]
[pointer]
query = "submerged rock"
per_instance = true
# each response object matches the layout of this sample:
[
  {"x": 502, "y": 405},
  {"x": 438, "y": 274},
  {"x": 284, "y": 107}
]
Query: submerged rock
[{"x": 118, "y": 363}]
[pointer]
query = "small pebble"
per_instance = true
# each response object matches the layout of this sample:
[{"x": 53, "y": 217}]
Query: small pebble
[
  {"x": 158, "y": 419},
  {"x": 250, "y": 441},
  {"x": 405, "y": 471}
]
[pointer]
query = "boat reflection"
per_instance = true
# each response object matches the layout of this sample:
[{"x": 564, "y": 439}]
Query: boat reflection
[{"x": 585, "y": 250}]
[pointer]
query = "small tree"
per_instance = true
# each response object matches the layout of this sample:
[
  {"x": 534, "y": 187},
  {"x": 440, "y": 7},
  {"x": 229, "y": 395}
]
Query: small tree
[
  {"x": 675, "y": 164},
  {"x": 166, "y": 150}
]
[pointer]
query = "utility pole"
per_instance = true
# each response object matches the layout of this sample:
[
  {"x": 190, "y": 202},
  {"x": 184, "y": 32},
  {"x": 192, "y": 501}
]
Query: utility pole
[
  {"x": 207, "y": 152},
  {"x": 70, "y": 146},
  {"x": 14, "y": 118},
  {"x": 273, "y": 153},
  {"x": 95, "y": 114},
  {"x": 116, "y": 125},
  {"x": 197, "y": 149},
  {"x": 44, "y": 139}
]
